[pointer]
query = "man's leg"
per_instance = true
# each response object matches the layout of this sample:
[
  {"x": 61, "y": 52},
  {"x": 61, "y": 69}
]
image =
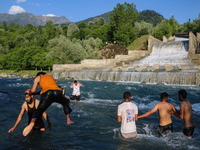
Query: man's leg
[{"x": 65, "y": 103}]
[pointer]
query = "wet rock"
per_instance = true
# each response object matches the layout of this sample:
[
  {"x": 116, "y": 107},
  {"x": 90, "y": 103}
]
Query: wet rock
[
  {"x": 160, "y": 83},
  {"x": 168, "y": 67}
]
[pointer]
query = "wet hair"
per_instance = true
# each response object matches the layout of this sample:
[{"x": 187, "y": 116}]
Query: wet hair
[
  {"x": 126, "y": 95},
  {"x": 27, "y": 94},
  {"x": 183, "y": 93},
  {"x": 40, "y": 73},
  {"x": 163, "y": 95},
  {"x": 75, "y": 81}
]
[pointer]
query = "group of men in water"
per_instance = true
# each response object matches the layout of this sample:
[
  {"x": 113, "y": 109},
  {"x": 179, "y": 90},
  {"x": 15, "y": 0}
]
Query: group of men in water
[
  {"x": 128, "y": 114},
  {"x": 127, "y": 111},
  {"x": 50, "y": 93}
]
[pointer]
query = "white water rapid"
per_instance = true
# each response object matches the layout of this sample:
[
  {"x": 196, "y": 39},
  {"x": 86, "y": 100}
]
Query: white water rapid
[{"x": 172, "y": 53}]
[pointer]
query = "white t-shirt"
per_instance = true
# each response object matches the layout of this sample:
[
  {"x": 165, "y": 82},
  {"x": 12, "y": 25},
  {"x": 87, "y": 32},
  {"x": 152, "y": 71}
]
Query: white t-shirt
[
  {"x": 76, "y": 89},
  {"x": 127, "y": 111}
]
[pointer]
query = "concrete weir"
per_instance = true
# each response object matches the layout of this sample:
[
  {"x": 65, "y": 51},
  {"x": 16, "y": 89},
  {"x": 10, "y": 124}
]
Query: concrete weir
[
  {"x": 178, "y": 78},
  {"x": 174, "y": 61}
]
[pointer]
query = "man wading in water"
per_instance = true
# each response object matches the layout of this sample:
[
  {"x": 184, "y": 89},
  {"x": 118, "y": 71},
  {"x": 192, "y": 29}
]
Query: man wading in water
[
  {"x": 30, "y": 106},
  {"x": 165, "y": 111},
  {"x": 185, "y": 113},
  {"x": 50, "y": 93}
]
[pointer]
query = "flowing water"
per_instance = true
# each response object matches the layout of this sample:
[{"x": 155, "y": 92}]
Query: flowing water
[
  {"x": 95, "y": 118},
  {"x": 173, "y": 53}
]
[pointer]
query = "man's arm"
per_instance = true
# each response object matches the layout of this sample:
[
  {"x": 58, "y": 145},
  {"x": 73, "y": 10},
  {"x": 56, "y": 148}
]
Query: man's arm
[
  {"x": 136, "y": 117},
  {"x": 149, "y": 112},
  {"x": 119, "y": 119},
  {"x": 181, "y": 113},
  {"x": 79, "y": 83},
  {"x": 71, "y": 84},
  {"x": 18, "y": 119}
]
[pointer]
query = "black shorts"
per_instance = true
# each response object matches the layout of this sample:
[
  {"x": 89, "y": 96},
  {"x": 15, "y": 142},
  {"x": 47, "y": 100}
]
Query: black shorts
[
  {"x": 48, "y": 98},
  {"x": 188, "y": 131},
  {"x": 74, "y": 96},
  {"x": 166, "y": 128}
]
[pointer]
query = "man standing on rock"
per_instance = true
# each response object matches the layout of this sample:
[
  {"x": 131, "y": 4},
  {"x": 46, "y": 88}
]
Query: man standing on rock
[
  {"x": 185, "y": 113},
  {"x": 50, "y": 93}
]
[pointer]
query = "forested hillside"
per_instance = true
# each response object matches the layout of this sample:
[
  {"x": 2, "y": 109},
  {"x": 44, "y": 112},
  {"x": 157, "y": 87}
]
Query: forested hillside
[{"x": 39, "y": 47}]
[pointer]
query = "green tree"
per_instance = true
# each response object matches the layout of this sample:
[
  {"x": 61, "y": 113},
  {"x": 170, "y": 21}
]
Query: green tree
[
  {"x": 122, "y": 22},
  {"x": 72, "y": 28}
]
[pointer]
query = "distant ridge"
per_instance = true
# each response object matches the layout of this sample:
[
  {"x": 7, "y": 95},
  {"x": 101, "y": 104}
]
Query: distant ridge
[
  {"x": 28, "y": 18},
  {"x": 148, "y": 16},
  {"x": 106, "y": 16}
]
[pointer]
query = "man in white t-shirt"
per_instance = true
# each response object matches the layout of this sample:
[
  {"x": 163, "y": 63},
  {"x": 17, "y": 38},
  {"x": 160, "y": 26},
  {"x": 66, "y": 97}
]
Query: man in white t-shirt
[
  {"x": 76, "y": 90},
  {"x": 127, "y": 115}
]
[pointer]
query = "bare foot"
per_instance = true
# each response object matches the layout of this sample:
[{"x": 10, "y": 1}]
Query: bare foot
[
  {"x": 28, "y": 129},
  {"x": 69, "y": 122}
]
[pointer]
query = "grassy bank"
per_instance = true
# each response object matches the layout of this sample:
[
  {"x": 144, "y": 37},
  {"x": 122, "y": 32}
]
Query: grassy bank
[
  {"x": 139, "y": 43},
  {"x": 21, "y": 73}
]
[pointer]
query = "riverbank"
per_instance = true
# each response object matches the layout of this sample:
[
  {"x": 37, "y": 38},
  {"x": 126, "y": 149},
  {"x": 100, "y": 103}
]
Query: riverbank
[{"x": 21, "y": 73}]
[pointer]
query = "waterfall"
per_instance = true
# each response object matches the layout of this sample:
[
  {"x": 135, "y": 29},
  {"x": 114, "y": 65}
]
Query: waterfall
[
  {"x": 180, "y": 78},
  {"x": 173, "y": 53}
]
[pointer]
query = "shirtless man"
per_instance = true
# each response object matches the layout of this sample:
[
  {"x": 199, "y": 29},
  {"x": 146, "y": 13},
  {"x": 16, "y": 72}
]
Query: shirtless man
[
  {"x": 30, "y": 105},
  {"x": 165, "y": 111},
  {"x": 50, "y": 93},
  {"x": 185, "y": 113}
]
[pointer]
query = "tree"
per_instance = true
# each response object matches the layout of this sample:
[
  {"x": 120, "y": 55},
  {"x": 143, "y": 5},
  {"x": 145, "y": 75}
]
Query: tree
[
  {"x": 99, "y": 21},
  {"x": 72, "y": 28},
  {"x": 122, "y": 22}
]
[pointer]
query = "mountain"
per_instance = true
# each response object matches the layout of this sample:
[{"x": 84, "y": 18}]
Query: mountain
[
  {"x": 28, "y": 18},
  {"x": 106, "y": 16},
  {"x": 150, "y": 16}
]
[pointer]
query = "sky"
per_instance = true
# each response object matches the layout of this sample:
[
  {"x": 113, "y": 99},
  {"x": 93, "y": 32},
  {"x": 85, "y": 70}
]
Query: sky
[{"x": 77, "y": 10}]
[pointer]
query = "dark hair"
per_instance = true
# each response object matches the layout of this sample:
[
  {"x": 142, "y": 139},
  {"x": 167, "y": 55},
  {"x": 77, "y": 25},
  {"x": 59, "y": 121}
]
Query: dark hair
[
  {"x": 40, "y": 73},
  {"x": 126, "y": 95},
  {"x": 27, "y": 94},
  {"x": 163, "y": 95},
  {"x": 75, "y": 81},
  {"x": 183, "y": 93}
]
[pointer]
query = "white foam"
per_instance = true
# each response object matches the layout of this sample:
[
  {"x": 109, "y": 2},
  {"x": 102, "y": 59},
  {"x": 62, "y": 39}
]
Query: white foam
[
  {"x": 20, "y": 84},
  {"x": 196, "y": 107}
]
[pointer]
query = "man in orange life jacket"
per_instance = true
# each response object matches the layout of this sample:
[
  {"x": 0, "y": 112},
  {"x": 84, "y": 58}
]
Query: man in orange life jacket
[
  {"x": 30, "y": 106},
  {"x": 50, "y": 93}
]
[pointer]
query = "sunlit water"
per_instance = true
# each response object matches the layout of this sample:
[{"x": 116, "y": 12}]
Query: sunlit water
[{"x": 95, "y": 118}]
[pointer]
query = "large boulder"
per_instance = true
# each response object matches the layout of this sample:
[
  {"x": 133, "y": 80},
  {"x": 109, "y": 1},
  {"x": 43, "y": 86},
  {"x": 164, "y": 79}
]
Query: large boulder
[{"x": 109, "y": 51}]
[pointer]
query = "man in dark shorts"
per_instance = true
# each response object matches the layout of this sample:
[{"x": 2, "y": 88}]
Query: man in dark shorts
[
  {"x": 50, "y": 93},
  {"x": 185, "y": 113},
  {"x": 165, "y": 111},
  {"x": 30, "y": 106},
  {"x": 76, "y": 90}
]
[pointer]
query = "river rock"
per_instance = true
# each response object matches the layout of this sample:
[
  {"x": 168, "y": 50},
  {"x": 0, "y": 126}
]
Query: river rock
[
  {"x": 169, "y": 67},
  {"x": 160, "y": 83},
  {"x": 3, "y": 75},
  {"x": 26, "y": 76},
  {"x": 183, "y": 67},
  {"x": 139, "y": 69},
  {"x": 125, "y": 69}
]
